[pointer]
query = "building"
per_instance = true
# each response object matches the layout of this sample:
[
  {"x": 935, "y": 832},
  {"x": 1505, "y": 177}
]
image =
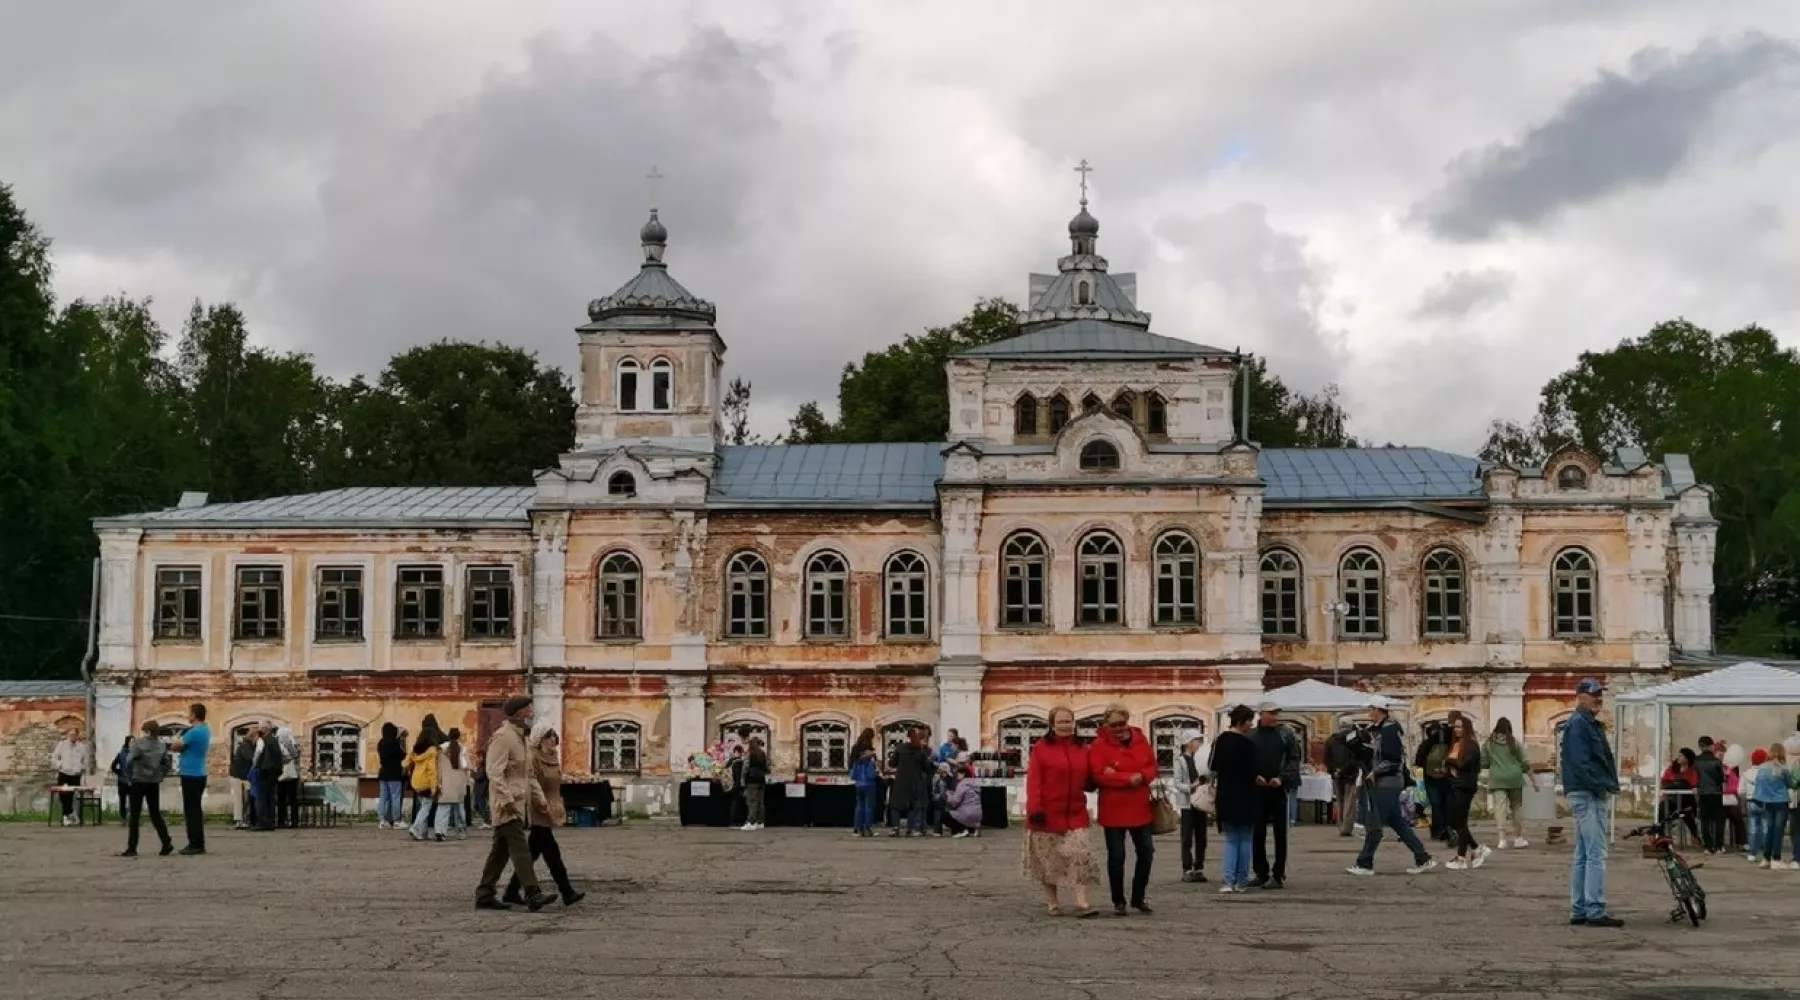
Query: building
[{"x": 1093, "y": 530}]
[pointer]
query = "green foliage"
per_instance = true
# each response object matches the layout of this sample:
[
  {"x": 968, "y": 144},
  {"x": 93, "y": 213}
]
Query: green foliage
[
  {"x": 735, "y": 410},
  {"x": 1282, "y": 418}
]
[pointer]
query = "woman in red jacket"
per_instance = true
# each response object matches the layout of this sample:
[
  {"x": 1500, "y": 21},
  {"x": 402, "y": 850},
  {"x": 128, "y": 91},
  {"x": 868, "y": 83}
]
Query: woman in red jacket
[
  {"x": 1059, "y": 852},
  {"x": 1124, "y": 766}
]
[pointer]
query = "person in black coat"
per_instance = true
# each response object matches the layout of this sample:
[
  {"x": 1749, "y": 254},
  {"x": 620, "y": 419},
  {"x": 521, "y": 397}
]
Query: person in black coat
[
  {"x": 267, "y": 772},
  {"x": 1233, "y": 766},
  {"x": 243, "y": 767},
  {"x": 911, "y": 793}
]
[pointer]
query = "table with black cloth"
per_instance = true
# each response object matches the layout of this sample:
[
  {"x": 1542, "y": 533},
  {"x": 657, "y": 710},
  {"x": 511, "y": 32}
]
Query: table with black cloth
[
  {"x": 993, "y": 807},
  {"x": 712, "y": 808},
  {"x": 820, "y": 805},
  {"x": 595, "y": 795}
]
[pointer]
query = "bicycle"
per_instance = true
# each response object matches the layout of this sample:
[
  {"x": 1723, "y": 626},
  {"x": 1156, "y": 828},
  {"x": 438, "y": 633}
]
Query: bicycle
[{"x": 1690, "y": 899}]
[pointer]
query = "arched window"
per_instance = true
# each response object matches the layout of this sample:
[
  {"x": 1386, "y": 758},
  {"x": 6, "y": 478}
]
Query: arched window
[
  {"x": 827, "y": 597},
  {"x": 825, "y": 747},
  {"x": 621, "y": 597},
  {"x": 894, "y": 733},
  {"x": 1025, "y": 416},
  {"x": 747, "y": 597},
  {"x": 1087, "y": 728},
  {"x": 1099, "y": 455},
  {"x": 740, "y": 733},
  {"x": 616, "y": 747},
  {"x": 907, "y": 583},
  {"x": 662, "y": 384},
  {"x": 1165, "y": 736},
  {"x": 1444, "y": 590},
  {"x": 337, "y": 748},
  {"x": 1281, "y": 604},
  {"x": 1084, "y": 293},
  {"x": 1090, "y": 403},
  {"x": 628, "y": 384},
  {"x": 1102, "y": 568},
  {"x": 1059, "y": 412},
  {"x": 1016, "y": 734},
  {"x": 1023, "y": 561},
  {"x": 1576, "y": 594},
  {"x": 1156, "y": 414},
  {"x": 1124, "y": 406},
  {"x": 621, "y": 484},
  {"x": 1571, "y": 477},
  {"x": 1359, "y": 587},
  {"x": 1177, "y": 579}
]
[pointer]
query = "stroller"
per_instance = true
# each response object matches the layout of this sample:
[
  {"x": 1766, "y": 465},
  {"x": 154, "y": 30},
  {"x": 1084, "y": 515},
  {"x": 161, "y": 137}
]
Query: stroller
[{"x": 1690, "y": 899}]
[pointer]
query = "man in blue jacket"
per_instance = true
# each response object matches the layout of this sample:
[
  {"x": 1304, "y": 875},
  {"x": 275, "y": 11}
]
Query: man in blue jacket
[{"x": 1589, "y": 775}]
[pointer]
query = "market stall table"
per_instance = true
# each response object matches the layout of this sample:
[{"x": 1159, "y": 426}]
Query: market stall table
[
  {"x": 704, "y": 802},
  {"x": 594, "y": 796},
  {"x": 86, "y": 800},
  {"x": 1317, "y": 789}
]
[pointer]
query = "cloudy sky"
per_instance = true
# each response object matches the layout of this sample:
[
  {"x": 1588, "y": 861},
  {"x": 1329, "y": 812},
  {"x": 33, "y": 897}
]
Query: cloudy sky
[{"x": 1435, "y": 205}]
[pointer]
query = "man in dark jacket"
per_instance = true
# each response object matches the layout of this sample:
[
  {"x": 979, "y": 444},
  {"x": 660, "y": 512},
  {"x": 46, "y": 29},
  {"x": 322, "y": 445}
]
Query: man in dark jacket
[
  {"x": 1589, "y": 775},
  {"x": 267, "y": 772},
  {"x": 1277, "y": 769},
  {"x": 910, "y": 795},
  {"x": 243, "y": 764},
  {"x": 1709, "y": 796},
  {"x": 1386, "y": 780},
  {"x": 1340, "y": 760}
]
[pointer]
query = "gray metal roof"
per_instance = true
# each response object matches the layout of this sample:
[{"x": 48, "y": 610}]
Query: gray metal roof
[
  {"x": 42, "y": 689},
  {"x": 1089, "y": 340},
  {"x": 1107, "y": 301},
  {"x": 360, "y": 505},
  {"x": 1300, "y": 474},
  {"x": 651, "y": 290},
  {"x": 829, "y": 473}
]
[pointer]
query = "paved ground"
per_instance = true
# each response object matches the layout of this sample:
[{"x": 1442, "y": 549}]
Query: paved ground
[{"x": 355, "y": 912}]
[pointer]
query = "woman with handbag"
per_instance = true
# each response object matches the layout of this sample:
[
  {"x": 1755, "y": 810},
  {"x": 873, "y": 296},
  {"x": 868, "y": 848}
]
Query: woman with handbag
[
  {"x": 1059, "y": 851},
  {"x": 1194, "y": 794},
  {"x": 1123, "y": 764}
]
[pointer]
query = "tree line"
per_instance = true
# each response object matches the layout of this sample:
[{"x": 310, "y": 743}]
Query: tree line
[{"x": 103, "y": 412}]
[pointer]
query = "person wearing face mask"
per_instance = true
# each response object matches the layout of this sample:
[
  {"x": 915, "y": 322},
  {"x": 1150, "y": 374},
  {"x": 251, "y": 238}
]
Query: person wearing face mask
[{"x": 516, "y": 800}]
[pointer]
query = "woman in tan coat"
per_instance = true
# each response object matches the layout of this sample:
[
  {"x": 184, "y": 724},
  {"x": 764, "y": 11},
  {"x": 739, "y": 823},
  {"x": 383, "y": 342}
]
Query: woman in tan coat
[{"x": 546, "y": 763}]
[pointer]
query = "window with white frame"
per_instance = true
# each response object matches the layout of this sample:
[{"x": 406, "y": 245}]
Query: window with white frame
[
  {"x": 488, "y": 605},
  {"x": 1165, "y": 736},
  {"x": 1281, "y": 605},
  {"x": 1359, "y": 587},
  {"x": 337, "y": 748},
  {"x": 827, "y": 597},
  {"x": 339, "y": 611},
  {"x": 1177, "y": 579},
  {"x": 740, "y": 733},
  {"x": 747, "y": 597},
  {"x": 894, "y": 733},
  {"x": 1444, "y": 587},
  {"x": 419, "y": 602},
  {"x": 1576, "y": 594},
  {"x": 178, "y": 602},
  {"x": 621, "y": 597},
  {"x": 662, "y": 384},
  {"x": 616, "y": 747},
  {"x": 1101, "y": 564},
  {"x": 1023, "y": 565},
  {"x": 907, "y": 580},
  {"x": 258, "y": 602},
  {"x": 825, "y": 747},
  {"x": 1018, "y": 733},
  {"x": 628, "y": 384},
  {"x": 1087, "y": 728}
]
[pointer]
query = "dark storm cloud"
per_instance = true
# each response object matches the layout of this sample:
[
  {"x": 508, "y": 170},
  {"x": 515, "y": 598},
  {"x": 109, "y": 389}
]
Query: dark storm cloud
[
  {"x": 1461, "y": 293},
  {"x": 1622, "y": 130}
]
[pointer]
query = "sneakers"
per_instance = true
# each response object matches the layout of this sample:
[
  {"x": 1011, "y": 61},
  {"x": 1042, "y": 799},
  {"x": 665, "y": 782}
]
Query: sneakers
[
  {"x": 1764, "y": 864},
  {"x": 1521, "y": 842},
  {"x": 1602, "y": 922},
  {"x": 1422, "y": 867},
  {"x": 960, "y": 834},
  {"x": 191, "y": 850},
  {"x": 385, "y": 825},
  {"x": 1226, "y": 890},
  {"x": 68, "y": 820},
  {"x": 1457, "y": 864},
  {"x": 1481, "y": 856},
  {"x": 1360, "y": 871},
  {"x": 1793, "y": 866}
]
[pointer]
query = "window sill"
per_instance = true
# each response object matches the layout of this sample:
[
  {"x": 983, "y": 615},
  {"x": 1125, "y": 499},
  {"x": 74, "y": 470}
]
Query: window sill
[
  {"x": 1026, "y": 629},
  {"x": 618, "y": 640},
  {"x": 271, "y": 641},
  {"x": 1286, "y": 639},
  {"x": 1583, "y": 639},
  {"x": 338, "y": 640},
  {"x": 1178, "y": 627},
  {"x": 908, "y": 640},
  {"x": 489, "y": 640},
  {"x": 177, "y": 640},
  {"x": 1446, "y": 639},
  {"x": 417, "y": 640},
  {"x": 1101, "y": 629},
  {"x": 748, "y": 640}
]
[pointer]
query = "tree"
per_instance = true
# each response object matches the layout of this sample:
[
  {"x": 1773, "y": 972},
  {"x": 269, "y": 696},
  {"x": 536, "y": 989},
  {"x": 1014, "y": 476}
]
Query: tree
[
  {"x": 1283, "y": 418},
  {"x": 736, "y": 410},
  {"x": 809, "y": 426},
  {"x": 1513, "y": 444}
]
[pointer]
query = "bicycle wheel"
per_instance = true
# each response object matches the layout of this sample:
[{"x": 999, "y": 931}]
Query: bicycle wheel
[{"x": 1693, "y": 912}]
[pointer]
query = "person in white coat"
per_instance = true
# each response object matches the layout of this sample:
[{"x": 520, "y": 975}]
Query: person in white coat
[
  {"x": 1190, "y": 775},
  {"x": 69, "y": 759}
]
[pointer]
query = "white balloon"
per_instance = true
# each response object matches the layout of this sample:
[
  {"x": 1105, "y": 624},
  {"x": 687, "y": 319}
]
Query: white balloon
[
  {"x": 1734, "y": 755},
  {"x": 1791, "y": 745}
]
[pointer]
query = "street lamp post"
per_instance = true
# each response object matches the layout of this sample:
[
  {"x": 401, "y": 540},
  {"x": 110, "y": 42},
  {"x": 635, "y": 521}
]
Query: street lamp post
[{"x": 1336, "y": 610}]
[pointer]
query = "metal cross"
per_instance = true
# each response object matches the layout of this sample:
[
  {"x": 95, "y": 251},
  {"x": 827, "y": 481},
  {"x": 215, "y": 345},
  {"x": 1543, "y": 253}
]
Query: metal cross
[
  {"x": 653, "y": 176},
  {"x": 1084, "y": 170}
]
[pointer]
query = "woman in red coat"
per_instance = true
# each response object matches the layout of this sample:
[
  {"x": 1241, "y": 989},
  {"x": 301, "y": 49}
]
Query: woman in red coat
[
  {"x": 1059, "y": 852},
  {"x": 1124, "y": 766}
]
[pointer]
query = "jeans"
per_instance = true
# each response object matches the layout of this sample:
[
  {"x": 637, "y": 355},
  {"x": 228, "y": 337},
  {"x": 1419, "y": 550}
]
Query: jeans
[
  {"x": 1144, "y": 846},
  {"x": 1271, "y": 815},
  {"x": 1794, "y": 822},
  {"x": 192, "y": 792},
  {"x": 422, "y": 816},
  {"x": 1237, "y": 854},
  {"x": 1437, "y": 796},
  {"x": 1293, "y": 803},
  {"x": 146, "y": 793},
  {"x": 265, "y": 800},
  {"x": 1774, "y": 824},
  {"x": 1384, "y": 799},
  {"x": 864, "y": 818},
  {"x": 1193, "y": 840},
  {"x": 912, "y": 819},
  {"x": 510, "y": 844},
  {"x": 1753, "y": 837},
  {"x": 450, "y": 817},
  {"x": 1587, "y": 872},
  {"x": 287, "y": 803},
  {"x": 479, "y": 792},
  {"x": 392, "y": 806}
]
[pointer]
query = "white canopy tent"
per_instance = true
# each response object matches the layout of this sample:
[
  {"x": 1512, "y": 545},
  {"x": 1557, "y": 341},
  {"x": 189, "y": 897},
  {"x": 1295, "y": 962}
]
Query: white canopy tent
[{"x": 1318, "y": 697}]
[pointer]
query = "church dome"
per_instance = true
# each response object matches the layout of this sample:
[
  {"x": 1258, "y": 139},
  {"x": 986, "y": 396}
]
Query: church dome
[
  {"x": 653, "y": 231},
  {"x": 1084, "y": 224}
]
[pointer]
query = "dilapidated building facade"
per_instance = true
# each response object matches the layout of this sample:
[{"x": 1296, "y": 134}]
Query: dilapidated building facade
[{"x": 1094, "y": 529}]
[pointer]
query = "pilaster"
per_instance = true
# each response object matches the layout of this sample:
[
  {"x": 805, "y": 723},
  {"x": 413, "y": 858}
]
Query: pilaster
[
  {"x": 112, "y": 718},
  {"x": 118, "y": 590},
  {"x": 549, "y": 581},
  {"x": 959, "y": 695},
  {"x": 547, "y": 701},
  {"x": 959, "y": 601},
  {"x": 687, "y": 718},
  {"x": 1506, "y": 700}
]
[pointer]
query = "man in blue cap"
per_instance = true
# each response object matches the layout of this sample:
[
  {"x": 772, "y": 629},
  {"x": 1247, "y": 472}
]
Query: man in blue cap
[{"x": 1589, "y": 775}]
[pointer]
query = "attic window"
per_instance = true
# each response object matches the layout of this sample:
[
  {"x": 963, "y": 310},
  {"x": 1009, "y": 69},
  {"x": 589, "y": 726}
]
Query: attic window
[
  {"x": 1571, "y": 477},
  {"x": 1125, "y": 407},
  {"x": 662, "y": 383},
  {"x": 621, "y": 484},
  {"x": 1084, "y": 294},
  {"x": 1025, "y": 416},
  {"x": 1099, "y": 456},
  {"x": 628, "y": 385},
  {"x": 1059, "y": 412},
  {"x": 1156, "y": 414},
  {"x": 1090, "y": 403}
]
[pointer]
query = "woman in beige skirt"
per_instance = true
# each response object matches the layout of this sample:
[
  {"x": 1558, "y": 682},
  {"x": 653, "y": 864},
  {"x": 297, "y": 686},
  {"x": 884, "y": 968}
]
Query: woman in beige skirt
[{"x": 1059, "y": 851}]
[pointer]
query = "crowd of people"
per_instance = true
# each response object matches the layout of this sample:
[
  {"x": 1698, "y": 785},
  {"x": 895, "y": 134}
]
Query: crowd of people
[{"x": 1723, "y": 800}]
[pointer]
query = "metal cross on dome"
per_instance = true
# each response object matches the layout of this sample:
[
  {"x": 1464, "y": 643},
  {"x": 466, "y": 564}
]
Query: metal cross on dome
[
  {"x": 653, "y": 176},
  {"x": 1083, "y": 169}
]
